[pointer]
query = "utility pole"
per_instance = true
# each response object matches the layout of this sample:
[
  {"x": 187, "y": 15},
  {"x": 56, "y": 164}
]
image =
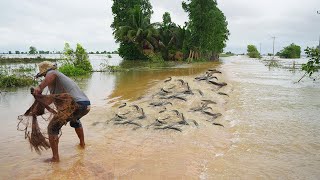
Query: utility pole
[
  {"x": 260, "y": 50},
  {"x": 274, "y": 38},
  {"x": 318, "y": 12}
]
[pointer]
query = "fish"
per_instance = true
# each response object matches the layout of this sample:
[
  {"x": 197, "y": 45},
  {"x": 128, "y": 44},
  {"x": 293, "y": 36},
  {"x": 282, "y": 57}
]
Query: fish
[
  {"x": 214, "y": 71},
  {"x": 169, "y": 79},
  {"x": 169, "y": 127},
  {"x": 224, "y": 94},
  {"x": 143, "y": 115},
  {"x": 177, "y": 112},
  {"x": 200, "y": 92},
  {"x": 136, "y": 107},
  {"x": 180, "y": 80},
  {"x": 195, "y": 122},
  {"x": 218, "y": 84},
  {"x": 122, "y": 105},
  {"x": 206, "y": 102},
  {"x": 165, "y": 91},
  {"x": 163, "y": 110},
  {"x": 128, "y": 122},
  {"x": 217, "y": 124}
]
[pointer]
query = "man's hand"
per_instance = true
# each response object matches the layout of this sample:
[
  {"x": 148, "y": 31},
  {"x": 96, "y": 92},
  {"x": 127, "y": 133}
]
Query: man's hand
[{"x": 37, "y": 91}]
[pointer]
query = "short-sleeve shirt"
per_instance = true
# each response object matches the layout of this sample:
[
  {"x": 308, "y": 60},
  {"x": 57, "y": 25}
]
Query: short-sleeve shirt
[{"x": 64, "y": 84}]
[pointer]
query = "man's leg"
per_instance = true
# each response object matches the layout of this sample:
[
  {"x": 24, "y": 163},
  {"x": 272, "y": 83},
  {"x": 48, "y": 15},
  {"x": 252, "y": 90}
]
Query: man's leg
[
  {"x": 54, "y": 142},
  {"x": 80, "y": 134},
  {"x": 53, "y": 132}
]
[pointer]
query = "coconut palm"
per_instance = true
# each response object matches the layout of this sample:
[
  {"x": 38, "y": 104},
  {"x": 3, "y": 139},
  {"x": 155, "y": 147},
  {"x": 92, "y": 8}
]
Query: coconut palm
[{"x": 139, "y": 31}]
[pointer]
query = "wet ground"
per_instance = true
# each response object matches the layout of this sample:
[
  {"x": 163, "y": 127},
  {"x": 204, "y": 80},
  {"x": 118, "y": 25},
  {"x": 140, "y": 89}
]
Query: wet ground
[{"x": 270, "y": 127}]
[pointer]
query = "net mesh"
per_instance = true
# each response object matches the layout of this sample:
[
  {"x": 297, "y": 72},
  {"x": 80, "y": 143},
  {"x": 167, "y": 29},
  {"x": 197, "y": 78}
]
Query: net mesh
[{"x": 45, "y": 108}]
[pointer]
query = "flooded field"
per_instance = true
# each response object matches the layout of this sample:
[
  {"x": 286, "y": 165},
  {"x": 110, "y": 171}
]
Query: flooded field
[{"x": 270, "y": 128}]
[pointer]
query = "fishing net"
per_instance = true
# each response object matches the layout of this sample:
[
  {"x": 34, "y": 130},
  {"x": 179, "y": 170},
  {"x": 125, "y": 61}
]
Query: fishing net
[{"x": 45, "y": 109}]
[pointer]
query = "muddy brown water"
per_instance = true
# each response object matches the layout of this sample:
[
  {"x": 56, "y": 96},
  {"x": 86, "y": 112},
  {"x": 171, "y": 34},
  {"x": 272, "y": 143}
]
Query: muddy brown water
[{"x": 271, "y": 129}]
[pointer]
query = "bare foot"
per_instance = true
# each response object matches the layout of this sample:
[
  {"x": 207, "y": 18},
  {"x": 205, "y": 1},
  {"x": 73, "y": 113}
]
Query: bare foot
[
  {"x": 51, "y": 160},
  {"x": 82, "y": 145}
]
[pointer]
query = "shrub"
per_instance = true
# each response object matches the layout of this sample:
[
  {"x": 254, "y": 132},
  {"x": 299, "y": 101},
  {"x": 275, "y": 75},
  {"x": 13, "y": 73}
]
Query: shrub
[
  {"x": 291, "y": 51},
  {"x": 253, "y": 52},
  {"x": 77, "y": 62},
  {"x": 9, "y": 81},
  {"x": 71, "y": 70}
]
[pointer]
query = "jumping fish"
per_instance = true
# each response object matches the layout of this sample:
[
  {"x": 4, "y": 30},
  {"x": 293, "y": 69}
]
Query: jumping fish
[
  {"x": 136, "y": 107},
  {"x": 143, "y": 115},
  {"x": 169, "y": 79}
]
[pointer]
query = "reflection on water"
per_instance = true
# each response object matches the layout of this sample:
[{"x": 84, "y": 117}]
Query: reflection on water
[{"x": 272, "y": 131}]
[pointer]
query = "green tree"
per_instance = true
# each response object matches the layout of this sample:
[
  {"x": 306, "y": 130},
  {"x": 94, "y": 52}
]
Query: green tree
[
  {"x": 33, "y": 50},
  {"x": 253, "y": 52},
  {"x": 17, "y": 52},
  {"x": 82, "y": 59},
  {"x": 291, "y": 51},
  {"x": 138, "y": 31},
  {"x": 77, "y": 62},
  {"x": 171, "y": 37},
  {"x": 207, "y": 26},
  {"x": 122, "y": 10}
]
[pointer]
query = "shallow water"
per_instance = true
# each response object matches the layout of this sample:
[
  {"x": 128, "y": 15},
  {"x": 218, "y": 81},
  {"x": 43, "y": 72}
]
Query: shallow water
[{"x": 271, "y": 130}]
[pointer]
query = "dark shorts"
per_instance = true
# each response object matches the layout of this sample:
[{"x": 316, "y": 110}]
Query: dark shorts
[{"x": 82, "y": 109}]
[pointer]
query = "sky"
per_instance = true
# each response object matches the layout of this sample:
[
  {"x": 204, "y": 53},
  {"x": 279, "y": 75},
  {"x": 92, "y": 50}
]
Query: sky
[{"x": 47, "y": 25}]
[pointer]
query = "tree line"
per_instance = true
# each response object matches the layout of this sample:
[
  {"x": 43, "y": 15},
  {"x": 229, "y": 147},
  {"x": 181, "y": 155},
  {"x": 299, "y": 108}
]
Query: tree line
[
  {"x": 203, "y": 37},
  {"x": 33, "y": 50},
  {"x": 292, "y": 51}
]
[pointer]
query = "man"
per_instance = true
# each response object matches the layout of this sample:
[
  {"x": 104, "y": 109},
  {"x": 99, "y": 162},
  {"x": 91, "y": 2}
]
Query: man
[{"x": 58, "y": 83}]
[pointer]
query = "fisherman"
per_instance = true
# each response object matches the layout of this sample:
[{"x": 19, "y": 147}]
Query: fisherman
[{"x": 58, "y": 83}]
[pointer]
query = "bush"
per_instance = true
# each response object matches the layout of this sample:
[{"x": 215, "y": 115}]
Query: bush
[
  {"x": 129, "y": 51},
  {"x": 292, "y": 51},
  {"x": 253, "y": 52},
  {"x": 71, "y": 70},
  {"x": 77, "y": 62},
  {"x": 9, "y": 81},
  {"x": 313, "y": 64}
]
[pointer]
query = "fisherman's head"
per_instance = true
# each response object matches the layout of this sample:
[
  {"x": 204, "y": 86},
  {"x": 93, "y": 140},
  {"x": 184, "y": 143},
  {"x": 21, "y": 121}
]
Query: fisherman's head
[{"x": 44, "y": 67}]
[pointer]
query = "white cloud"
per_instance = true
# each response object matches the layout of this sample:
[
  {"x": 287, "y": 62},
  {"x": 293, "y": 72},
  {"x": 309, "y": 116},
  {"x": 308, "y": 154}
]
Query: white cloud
[{"x": 48, "y": 24}]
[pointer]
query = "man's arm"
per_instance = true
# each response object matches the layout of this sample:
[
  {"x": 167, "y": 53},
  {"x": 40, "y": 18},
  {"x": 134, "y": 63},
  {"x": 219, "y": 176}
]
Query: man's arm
[{"x": 49, "y": 79}]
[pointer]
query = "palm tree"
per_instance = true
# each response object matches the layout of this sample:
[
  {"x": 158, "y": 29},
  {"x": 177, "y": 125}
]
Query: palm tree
[{"x": 139, "y": 31}]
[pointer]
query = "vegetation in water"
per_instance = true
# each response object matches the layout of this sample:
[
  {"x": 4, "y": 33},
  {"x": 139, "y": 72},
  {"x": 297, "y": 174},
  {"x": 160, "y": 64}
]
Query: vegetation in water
[
  {"x": 9, "y": 81},
  {"x": 252, "y": 51},
  {"x": 312, "y": 65},
  {"x": 4, "y": 60},
  {"x": 292, "y": 51},
  {"x": 76, "y": 62},
  {"x": 25, "y": 69},
  {"x": 203, "y": 37},
  {"x": 227, "y": 54}
]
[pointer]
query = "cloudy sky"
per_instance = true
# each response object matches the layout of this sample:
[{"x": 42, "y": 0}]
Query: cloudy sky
[{"x": 47, "y": 25}]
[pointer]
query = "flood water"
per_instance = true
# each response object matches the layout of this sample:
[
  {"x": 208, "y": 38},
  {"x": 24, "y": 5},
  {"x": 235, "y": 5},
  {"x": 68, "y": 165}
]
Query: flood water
[{"x": 271, "y": 130}]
